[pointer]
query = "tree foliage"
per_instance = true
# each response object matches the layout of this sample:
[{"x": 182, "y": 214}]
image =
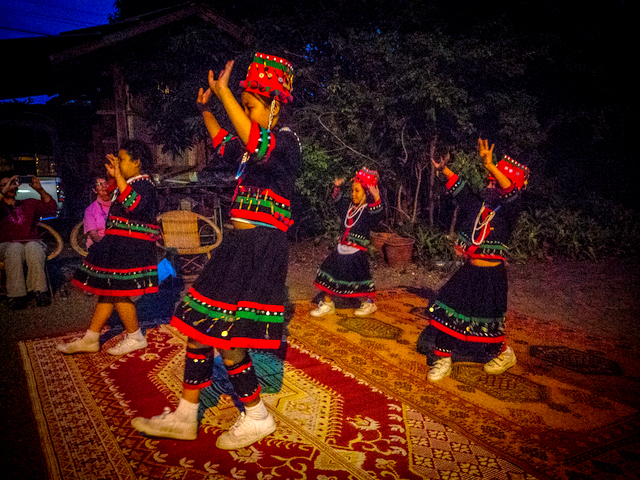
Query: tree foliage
[{"x": 386, "y": 87}]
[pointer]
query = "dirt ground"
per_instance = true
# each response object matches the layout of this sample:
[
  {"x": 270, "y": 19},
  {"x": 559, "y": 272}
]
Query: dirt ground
[{"x": 601, "y": 296}]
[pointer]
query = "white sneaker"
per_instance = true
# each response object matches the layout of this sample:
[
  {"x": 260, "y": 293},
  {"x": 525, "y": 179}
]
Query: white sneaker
[
  {"x": 367, "y": 308},
  {"x": 501, "y": 363},
  {"x": 245, "y": 432},
  {"x": 324, "y": 309},
  {"x": 440, "y": 369},
  {"x": 81, "y": 345},
  {"x": 166, "y": 425},
  {"x": 128, "y": 345}
]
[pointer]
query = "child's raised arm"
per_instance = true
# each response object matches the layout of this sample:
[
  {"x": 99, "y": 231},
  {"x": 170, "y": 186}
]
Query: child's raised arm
[
  {"x": 238, "y": 117},
  {"x": 487, "y": 158},
  {"x": 441, "y": 166},
  {"x": 213, "y": 127}
]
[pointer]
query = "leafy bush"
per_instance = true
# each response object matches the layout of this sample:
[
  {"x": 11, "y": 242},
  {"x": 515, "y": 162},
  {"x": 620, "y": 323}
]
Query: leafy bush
[
  {"x": 549, "y": 232},
  {"x": 313, "y": 187},
  {"x": 431, "y": 244}
]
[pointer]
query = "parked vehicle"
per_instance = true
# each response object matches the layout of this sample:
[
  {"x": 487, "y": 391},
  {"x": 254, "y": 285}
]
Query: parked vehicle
[{"x": 30, "y": 141}]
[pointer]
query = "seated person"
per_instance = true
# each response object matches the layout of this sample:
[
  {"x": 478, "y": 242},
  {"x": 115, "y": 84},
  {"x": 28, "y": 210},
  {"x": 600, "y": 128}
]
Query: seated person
[
  {"x": 20, "y": 242},
  {"x": 95, "y": 215}
]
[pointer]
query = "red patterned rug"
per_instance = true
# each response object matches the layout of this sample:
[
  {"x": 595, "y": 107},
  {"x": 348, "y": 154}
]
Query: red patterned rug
[
  {"x": 351, "y": 402},
  {"x": 332, "y": 425}
]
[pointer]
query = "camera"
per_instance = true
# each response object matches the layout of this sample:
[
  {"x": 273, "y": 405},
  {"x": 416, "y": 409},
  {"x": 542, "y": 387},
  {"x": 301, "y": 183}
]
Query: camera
[{"x": 25, "y": 179}]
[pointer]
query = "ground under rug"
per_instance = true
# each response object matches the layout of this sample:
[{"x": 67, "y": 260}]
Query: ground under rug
[
  {"x": 332, "y": 424},
  {"x": 567, "y": 410}
]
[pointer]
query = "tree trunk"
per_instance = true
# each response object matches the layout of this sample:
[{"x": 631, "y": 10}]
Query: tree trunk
[
  {"x": 432, "y": 181},
  {"x": 454, "y": 217},
  {"x": 419, "y": 169},
  {"x": 399, "y": 201}
]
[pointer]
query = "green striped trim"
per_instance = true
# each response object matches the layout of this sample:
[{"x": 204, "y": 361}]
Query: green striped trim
[
  {"x": 215, "y": 313},
  {"x": 268, "y": 204},
  {"x": 497, "y": 246},
  {"x": 457, "y": 187},
  {"x": 129, "y": 226},
  {"x": 252, "y": 314},
  {"x": 358, "y": 240},
  {"x": 130, "y": 200},
  {"x": 121, "y": 276},
  {"x": 474, "y": 320},
  {"x": 264, "y": 142},
  {"x": 271, "y": 63}
]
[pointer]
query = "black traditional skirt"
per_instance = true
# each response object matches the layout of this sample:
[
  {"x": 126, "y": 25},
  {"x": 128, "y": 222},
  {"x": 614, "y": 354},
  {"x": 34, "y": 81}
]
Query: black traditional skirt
[
  {"x": 238, "y": 299},
  {"x": 467, "y": 318},
  {"x": 119, "y": 266},
  {"x": 346, "y": 275}
]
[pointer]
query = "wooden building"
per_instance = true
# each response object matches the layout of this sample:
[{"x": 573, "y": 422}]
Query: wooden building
[{"x": 88, "y": 63}]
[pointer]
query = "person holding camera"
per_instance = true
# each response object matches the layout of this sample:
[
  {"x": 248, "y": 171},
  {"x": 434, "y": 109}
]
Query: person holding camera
[{"x": 20, "y": 242}]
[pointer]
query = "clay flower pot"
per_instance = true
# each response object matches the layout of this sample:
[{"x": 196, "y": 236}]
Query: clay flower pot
[
  {"x": 398, "y": 251},
  {"x": 378, "y": 240}
]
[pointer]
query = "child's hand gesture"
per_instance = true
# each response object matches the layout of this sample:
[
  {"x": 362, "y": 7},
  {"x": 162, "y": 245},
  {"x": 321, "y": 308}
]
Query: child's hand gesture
[
  {"x": 374, "y": 191},
  {"x": 337, "y": 182},
  {"x": 113, "y": 167},
  {"x": 485, "y": 152},
  {"x": 439, "y": 166},
  {"x": 222, "y": 84},
  {"x": 203, "y": 98}
]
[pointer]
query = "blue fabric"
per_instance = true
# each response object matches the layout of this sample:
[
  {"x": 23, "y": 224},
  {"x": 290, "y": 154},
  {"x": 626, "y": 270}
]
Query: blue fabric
[{"x": 165, "y": 270}]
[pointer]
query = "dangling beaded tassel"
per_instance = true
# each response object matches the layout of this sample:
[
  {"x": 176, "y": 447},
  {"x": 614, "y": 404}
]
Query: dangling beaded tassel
[
  {"x": 243, "y": 165},
  {"x": 271, "y": 112}
]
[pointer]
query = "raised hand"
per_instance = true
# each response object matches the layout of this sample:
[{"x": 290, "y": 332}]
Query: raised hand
[
  {"x": 7, "y": 186},
  {"x": 220, "y": 85},
  {"x": 113, "y": 166},
  {"x": 338, "y": 181},
  {"x": 485, "y": 152},
  {"x": 203, "y": 97},
  {"x": 374, "y": 191},
  {"x": 35, "y": 184},
  {"x": 442, "y": 163}
]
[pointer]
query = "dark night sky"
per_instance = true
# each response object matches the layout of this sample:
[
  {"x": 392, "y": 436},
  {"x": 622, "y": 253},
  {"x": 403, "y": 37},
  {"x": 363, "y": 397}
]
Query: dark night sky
[{"x": 28, "y": 18}]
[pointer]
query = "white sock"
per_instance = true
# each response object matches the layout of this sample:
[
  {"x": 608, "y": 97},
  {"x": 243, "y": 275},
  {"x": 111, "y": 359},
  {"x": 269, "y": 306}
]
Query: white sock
[
  {"x": 257, "y": 412},
  {"x": 137, "y": 335},
  {"x": 187, "y": 410},
  {"x": 91, "y": 336}
]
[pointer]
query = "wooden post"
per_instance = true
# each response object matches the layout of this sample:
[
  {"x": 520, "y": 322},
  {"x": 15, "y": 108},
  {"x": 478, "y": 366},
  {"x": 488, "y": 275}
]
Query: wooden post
[{"x": 120, "y": 104}]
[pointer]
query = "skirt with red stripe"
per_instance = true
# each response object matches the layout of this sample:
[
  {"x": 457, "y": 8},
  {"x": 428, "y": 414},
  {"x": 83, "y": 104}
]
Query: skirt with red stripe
[
  {"x": 346, "y": 275},
  {"x": 238, "y": 299},
  {"x": 119, "y": 266},
  {"x": 467, "y": 317}
]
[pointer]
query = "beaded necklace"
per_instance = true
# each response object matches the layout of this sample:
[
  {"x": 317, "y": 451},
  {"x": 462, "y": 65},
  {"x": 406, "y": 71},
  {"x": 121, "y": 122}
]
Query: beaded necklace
[
  {"x": 352, "y": 212},
  {"x": 484, "y": 225}
]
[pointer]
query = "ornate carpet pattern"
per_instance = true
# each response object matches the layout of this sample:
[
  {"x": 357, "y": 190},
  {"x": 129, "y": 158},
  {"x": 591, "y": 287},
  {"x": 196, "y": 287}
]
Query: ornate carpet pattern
[
  {"x": 567, "y": 409},
  {"x": 352, "y": 402},
  {"x": 332, "y": 425}
]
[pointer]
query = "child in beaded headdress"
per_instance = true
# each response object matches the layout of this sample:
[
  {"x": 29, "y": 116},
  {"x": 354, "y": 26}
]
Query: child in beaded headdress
[
  {"x": 124, "y": 263},
  {"x": 237, "y": 302},
  {"x": 346, "y": 272},
  {"x": 467, "y": 318}
]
